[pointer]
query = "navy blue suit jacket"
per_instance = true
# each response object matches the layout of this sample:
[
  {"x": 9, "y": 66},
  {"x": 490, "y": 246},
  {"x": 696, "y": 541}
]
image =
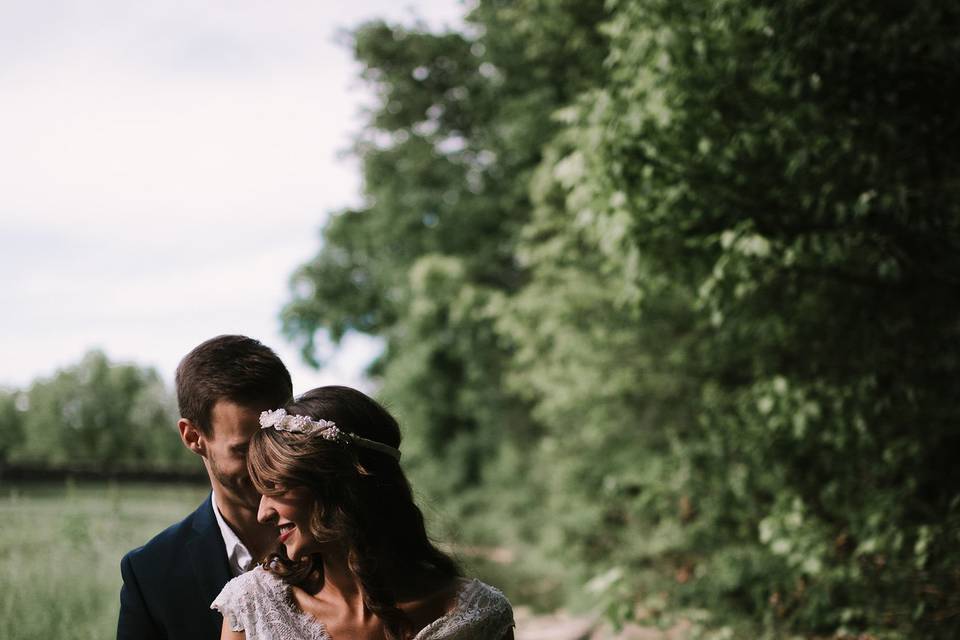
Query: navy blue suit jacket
[{"x": 169, "y": 583}]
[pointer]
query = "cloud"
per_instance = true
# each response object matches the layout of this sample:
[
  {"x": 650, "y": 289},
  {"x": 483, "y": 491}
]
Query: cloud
[{"x": 165, "y": 168}]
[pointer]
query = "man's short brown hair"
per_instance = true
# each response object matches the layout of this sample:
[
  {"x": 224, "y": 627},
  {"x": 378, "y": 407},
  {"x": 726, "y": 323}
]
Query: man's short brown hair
[{"x": 234, "y": 368}]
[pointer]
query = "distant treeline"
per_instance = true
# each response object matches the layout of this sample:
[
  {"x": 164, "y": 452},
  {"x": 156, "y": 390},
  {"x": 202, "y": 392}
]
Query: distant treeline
[
  {"x": 671, "y": 297},
  {"x": 22, "y": 472},
  {"x": 95, "y": 417}
]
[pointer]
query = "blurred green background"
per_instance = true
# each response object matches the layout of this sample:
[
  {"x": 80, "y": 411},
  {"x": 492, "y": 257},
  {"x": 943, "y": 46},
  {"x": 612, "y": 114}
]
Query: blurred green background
[
  {"x": 60, "y": 550},
  {"x": 669, "y": 292}
]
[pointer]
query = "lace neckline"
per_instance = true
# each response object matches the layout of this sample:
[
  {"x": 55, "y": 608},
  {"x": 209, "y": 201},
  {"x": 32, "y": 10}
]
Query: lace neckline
[{"x": 310, "y": 624}]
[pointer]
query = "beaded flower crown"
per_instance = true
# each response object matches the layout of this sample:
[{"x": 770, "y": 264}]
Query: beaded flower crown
[{"x": 280, "y": 420}]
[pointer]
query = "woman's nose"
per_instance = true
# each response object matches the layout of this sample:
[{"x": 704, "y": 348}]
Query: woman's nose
[{"x": 266, "y": 512}]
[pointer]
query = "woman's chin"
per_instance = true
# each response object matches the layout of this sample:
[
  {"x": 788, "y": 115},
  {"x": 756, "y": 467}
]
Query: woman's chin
[
  {"x": 296, "y": 552},
  {"x": 299, "y": 552}
]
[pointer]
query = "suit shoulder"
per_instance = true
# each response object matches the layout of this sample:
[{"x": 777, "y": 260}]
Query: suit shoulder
[{"x": 166, "y": 543}]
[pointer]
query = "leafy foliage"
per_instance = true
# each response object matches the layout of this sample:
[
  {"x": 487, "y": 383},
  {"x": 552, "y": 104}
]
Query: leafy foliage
[
  {"x": 669, "y": 291},
  {"x": 94, "y": 413}
]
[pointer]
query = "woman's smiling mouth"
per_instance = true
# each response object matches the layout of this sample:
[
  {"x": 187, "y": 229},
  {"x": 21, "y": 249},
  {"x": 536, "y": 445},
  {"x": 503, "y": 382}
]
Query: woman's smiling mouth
[{"x": 286, "y": 530}]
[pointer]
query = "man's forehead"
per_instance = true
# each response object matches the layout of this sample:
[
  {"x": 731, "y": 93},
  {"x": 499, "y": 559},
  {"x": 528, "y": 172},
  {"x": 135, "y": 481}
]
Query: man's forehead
[
  {"x": 233, "y": 421},
  {"x": 232, "y": 439}
]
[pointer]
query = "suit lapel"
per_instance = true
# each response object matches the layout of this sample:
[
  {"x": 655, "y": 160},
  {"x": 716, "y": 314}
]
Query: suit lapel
[{"x": 207, "y": 553}]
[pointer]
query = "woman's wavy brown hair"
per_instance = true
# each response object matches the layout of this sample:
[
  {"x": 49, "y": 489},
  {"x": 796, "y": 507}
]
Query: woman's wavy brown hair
[{"x": 362, "y": 500}]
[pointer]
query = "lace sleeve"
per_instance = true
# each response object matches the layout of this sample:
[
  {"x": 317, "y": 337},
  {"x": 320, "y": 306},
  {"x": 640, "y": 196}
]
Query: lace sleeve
[
  {"x": 259, "y": 604},
  {"x": 239, "y": 599},
  {"x": 482, "y": 611},
  {"x": 493, "y": 610},
  {"x": 234, "y": 602}
]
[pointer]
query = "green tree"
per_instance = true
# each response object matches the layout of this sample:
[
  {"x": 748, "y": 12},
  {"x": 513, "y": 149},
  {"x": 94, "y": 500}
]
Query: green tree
[
  {"x": 11, "y": 423},
  {"x": 100, "y": 413},
  {"x": 749, "y": 161},
  {"x": 669, "y": 290},
  {"x": 446, "y": 158}
]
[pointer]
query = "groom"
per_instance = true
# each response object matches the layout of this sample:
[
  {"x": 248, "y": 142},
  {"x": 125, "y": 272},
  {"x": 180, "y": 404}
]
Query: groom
[{"x": 169, "y": 583}]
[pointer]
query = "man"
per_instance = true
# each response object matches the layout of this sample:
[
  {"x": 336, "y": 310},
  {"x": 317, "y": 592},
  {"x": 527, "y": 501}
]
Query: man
[{"x": 169, "y": 583}]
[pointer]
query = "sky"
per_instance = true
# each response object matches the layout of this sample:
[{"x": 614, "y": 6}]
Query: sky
[{"x": 166, "y": 166}]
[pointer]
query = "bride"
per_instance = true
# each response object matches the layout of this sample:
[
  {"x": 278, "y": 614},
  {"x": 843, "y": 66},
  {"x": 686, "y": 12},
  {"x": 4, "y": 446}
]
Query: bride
[{"x": 354, "y": 560}]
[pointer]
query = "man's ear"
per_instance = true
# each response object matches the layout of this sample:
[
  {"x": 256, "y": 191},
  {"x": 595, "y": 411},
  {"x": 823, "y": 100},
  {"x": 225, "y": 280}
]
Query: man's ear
[{"x": 192, "y": 437}]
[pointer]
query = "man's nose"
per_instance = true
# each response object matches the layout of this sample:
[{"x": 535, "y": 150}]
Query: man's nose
[{"x": 266, "y": 512}]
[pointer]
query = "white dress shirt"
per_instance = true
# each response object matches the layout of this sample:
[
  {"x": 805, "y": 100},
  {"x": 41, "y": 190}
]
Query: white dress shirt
[{"x": 238, "y": 555}]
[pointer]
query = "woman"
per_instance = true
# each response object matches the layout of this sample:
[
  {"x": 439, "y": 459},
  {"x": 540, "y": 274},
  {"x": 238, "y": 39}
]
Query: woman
[{"x": 354, "y": 559}]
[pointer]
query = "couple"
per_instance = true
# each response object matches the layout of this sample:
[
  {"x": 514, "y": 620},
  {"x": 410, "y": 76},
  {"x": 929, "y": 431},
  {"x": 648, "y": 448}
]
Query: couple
[{"x": 311, "y": 530}]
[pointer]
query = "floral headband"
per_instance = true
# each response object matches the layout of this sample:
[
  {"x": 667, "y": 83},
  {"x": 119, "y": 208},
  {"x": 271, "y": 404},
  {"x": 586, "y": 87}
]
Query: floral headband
[{"x": 280, "y": 420}]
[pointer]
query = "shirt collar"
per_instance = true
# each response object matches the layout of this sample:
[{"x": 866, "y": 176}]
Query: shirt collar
[{"x": 238, "y": 555}]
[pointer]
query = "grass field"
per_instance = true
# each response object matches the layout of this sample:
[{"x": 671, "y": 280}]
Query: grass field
[
  {"x": 61, "y": 544},
  {"x": 60, "y": 550}
]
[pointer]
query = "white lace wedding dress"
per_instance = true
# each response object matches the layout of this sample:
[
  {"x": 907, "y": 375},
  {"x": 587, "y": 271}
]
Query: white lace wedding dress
[{"x": 261, "y": 605}]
